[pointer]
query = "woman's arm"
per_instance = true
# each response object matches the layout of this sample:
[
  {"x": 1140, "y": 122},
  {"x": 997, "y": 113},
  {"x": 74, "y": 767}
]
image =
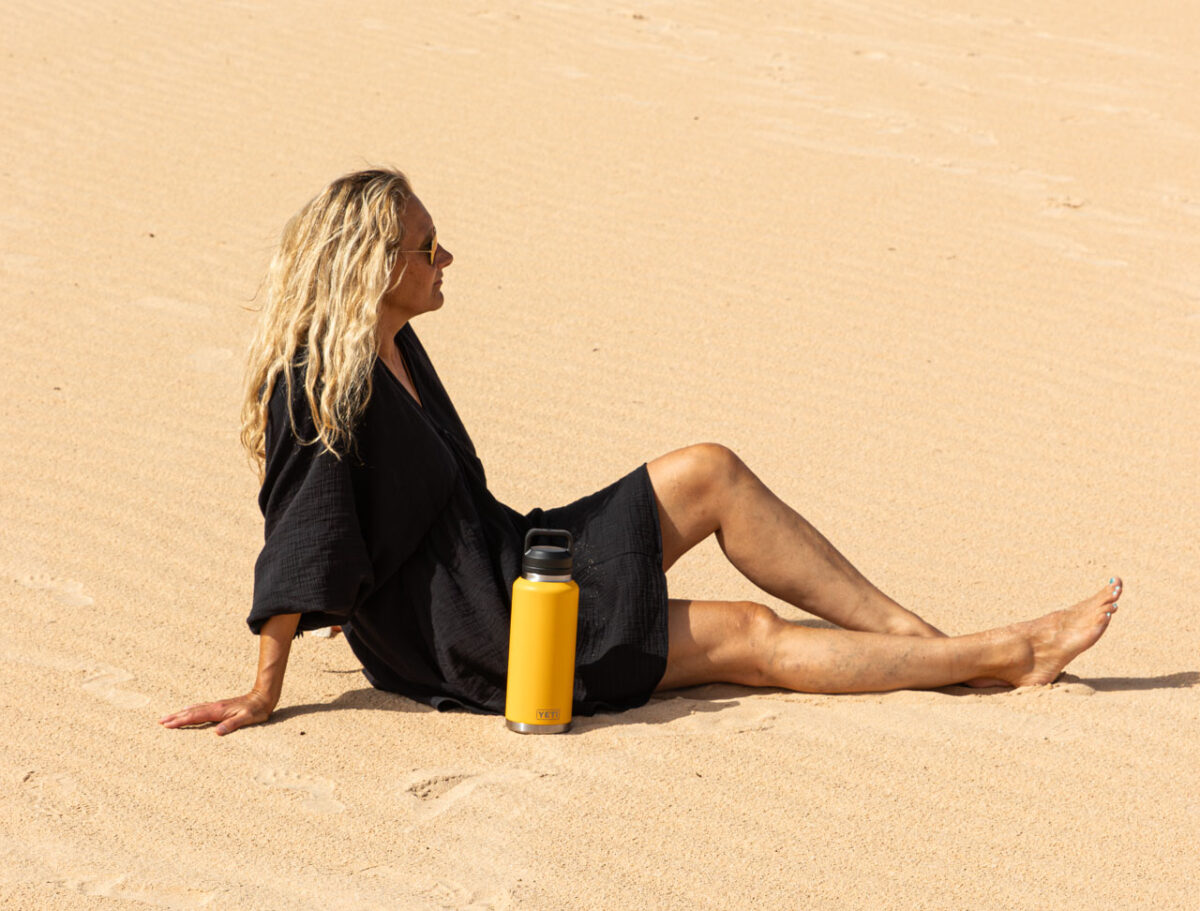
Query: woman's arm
[{"x": 274, "y": 644}]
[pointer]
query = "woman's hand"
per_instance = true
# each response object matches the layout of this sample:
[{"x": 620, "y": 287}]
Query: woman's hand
[
  {"x": 228, "y": 714},
  {"x": 274, "y": 643}
]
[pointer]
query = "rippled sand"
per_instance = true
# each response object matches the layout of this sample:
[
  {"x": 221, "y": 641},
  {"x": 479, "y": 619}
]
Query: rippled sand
[{"x": 934, "y": 274}]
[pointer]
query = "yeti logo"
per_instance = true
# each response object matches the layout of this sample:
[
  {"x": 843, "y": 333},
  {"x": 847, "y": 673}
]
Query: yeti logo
[{"x": 547, "y": 715}]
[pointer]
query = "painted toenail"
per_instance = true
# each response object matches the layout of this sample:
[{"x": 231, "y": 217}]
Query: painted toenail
[
  {"x": 1112, "y": 580},
  {"x": 1108, "y": 613}
]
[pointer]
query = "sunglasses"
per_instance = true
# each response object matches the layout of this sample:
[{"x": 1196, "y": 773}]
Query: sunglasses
[{"x": 432, "y": 251}]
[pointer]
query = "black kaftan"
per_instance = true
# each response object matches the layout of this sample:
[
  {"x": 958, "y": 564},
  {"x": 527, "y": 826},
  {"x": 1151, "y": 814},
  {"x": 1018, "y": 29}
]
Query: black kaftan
[{"x": 402, "y": 543}]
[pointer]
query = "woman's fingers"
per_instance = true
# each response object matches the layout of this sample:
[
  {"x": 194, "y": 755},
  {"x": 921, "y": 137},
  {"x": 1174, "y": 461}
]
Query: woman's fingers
[
  {"x": 228, "y": 724},
  {"x": 195, "y": 714},
  {"x": 237, "y": 720},
  {"x": 248, "y": 711},
  {"x": 228, "y": 714}
]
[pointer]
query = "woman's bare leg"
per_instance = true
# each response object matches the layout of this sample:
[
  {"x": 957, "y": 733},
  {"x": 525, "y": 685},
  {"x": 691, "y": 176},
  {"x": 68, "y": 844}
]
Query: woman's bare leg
[
  {"x": 706, "y": 489},
  {"x": 747, "y": 643}
]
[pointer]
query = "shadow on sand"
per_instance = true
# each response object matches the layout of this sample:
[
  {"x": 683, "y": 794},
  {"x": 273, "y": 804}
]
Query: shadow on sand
[
  {"x": 1179, "y": 681},
  {"x": 660, "y": 709},
  {"x": 366, "y": 698},
  {"x": 667, "y": 707}
]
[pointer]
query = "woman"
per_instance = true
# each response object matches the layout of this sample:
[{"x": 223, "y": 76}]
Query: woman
[{"x": 378, "y": 518}]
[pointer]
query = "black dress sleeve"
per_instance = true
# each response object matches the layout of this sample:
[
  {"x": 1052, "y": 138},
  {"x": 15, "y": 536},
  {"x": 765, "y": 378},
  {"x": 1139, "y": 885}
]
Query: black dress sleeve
[{"x": 314, "y": 560}]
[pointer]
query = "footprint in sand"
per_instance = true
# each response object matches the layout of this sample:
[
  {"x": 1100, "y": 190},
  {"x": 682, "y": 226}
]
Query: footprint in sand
[
  {"x": 64, "y": 590},
  {"x": 432, "y": 787},
  {"x": 102, "y": 680},
  {"x": 666, "y": 717},
  {"x": 744, "y": 719},
  {"x": 125, "y": 887},
  {"x": 448, "y": 894},
  {"x": 99, "y": 679},
  {"x": 317, "y": 792},
  {"x": 55, "y": 793},
  {"x": 438, "y": 791}
]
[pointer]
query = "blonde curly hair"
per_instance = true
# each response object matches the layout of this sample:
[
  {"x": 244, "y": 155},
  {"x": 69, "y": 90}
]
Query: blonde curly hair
[{"x": 322, "y": 291}]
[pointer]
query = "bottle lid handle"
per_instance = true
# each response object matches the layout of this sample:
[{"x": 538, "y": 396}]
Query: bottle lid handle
[{"x": 550, "y": 532}]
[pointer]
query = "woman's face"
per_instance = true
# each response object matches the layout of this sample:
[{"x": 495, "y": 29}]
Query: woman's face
[{"x": 416, "y": 283}]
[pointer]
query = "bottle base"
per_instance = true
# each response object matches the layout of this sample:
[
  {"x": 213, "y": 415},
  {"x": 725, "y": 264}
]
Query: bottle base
[{"x": 522, "y": 727}]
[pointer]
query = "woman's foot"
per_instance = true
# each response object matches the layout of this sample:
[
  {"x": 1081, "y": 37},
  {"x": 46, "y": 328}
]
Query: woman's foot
[{"x": 1051, "y": 642}]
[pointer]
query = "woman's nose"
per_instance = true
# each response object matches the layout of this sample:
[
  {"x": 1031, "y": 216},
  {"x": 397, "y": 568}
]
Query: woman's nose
[{"x": 445, "y": 257}]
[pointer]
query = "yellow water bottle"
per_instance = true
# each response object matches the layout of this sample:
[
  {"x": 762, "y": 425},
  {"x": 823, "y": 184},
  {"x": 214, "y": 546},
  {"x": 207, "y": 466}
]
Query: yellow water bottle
[{"x": 541, "y": 644}]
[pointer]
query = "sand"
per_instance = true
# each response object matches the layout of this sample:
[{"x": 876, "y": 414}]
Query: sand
[{"x": 934, "y": 274}]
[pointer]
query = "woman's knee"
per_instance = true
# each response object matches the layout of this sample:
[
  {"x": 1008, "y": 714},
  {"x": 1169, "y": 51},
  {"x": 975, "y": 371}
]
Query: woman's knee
[
  {"x": 691, "y": 486},
  {"x": 712, "y": 466},
  {"x": 758, "y": 629},
  {"x": 699, "y": 467},
  {"x": 720, "y": 642}
]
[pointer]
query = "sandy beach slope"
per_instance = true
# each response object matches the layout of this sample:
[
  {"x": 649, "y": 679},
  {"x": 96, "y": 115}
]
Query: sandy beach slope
[{"x": 932, "y": 270}]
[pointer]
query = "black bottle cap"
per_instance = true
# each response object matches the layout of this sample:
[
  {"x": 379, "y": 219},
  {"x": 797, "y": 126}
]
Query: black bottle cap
[{"x": 547, "y": 559}]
